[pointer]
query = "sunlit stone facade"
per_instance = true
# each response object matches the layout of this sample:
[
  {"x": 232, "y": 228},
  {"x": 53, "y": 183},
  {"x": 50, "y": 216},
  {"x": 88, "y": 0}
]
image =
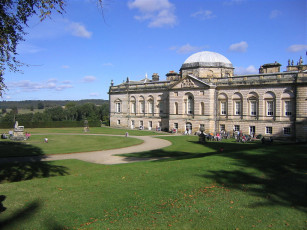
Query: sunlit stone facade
[{"x": 205, "y": 94}]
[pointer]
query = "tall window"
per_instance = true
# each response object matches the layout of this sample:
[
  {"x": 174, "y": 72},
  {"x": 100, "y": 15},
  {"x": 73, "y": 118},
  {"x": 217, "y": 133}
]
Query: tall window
[
  {"x": 142, "y": 107},
  {"x": 270, "y": 108},
  {"x": 150, "y": 124},
  {"x": 222, "y": 127},
  {"x": 133, "y": 107},
  {"x": 150, "y": 107},
  {"x": 202, "y": 108},
  {"x": 190, "y": 105},
  {"x": 288, "y": 108},
  {"x": 223, "y": 108},
  {"x": 237, "y": 128},
  {"x": 237, "y": 107},
  {"x": 118, "y": 107},
  {"x": 176, "y": 108},
  {"x": 161, "y": 106},
  {"x": 253, "y": 108}
]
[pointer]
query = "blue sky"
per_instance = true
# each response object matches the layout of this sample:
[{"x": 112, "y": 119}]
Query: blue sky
[{"x": 76, "y": 55}]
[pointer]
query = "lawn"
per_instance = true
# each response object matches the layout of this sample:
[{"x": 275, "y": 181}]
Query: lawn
[
  {"x": 93, "y": 130},
  {"x": 246, "y": 186},
  {"x": 58, "y": 144}
]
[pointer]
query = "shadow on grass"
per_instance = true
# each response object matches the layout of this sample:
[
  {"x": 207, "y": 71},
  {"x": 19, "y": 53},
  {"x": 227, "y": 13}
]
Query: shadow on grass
[
  {"x": 279, "y": 175},
  {"x": 21, "y": 215},
  {"x": 276, "y": 172},
  {"x": 28, "y": 165},
  {"x": 15, "y": 220}
]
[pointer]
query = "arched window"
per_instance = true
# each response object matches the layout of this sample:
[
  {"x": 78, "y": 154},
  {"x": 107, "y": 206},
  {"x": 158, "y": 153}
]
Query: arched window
[
  {"x": 189, "y": 104},
  {"x": 223, "y": 101},
  {"x": 237, "y": 104},
  {"x": 253, "y": 99},
  {"x": 287, "y": 103},
  {"x": 176, "y": 108},
  {"x": 270, "y": 104}
]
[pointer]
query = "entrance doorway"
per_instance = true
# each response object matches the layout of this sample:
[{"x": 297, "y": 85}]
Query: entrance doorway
[
  {"x": 188, "y": 128},
  {"x": 252, "y": 130}
]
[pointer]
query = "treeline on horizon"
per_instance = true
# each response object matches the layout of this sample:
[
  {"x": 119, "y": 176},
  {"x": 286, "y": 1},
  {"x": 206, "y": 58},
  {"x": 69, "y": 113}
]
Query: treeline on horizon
[
  {"x": 69, "y": 115},
  {"x": 40, "y": 104}
]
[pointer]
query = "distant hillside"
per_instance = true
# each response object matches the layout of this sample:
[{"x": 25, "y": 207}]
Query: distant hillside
[{"x": 46, "y": 103}]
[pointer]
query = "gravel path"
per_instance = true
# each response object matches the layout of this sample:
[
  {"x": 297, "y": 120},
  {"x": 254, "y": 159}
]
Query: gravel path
[{"x": 101, "y": 157}]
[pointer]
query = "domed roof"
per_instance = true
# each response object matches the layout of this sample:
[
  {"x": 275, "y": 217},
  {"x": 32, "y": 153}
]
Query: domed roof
[{"x": 206, "y": 59}]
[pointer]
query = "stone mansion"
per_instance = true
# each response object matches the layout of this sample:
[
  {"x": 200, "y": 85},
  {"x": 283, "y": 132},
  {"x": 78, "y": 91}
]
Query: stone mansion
[{"x": 206, "y": 95}]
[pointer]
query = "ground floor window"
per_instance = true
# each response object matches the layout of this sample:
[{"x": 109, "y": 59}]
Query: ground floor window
[
  {"x": 202, "y": 127},
  {"x": 175, "y": 125},
  {"x": 150, "y": 124},
  {"x": 268, "y": 130},
  {"x": 118, "y": 122},
  {"x": 141, "y": 123},
  {"x": 222, "y": 127},
  {"x": 132, "y": 124},
  {"x": 287, "y": 130},
  {"x": 237, "y": 128},
  {"x": 159, "y": 124}
]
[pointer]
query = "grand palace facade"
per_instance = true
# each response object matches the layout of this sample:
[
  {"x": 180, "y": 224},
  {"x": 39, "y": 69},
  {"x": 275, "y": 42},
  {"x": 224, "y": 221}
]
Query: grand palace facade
[{"x": 206, "y": 95}]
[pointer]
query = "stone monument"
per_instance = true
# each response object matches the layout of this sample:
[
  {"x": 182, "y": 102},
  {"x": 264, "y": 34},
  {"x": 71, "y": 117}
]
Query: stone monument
[
  {"x": 18, "y": 134},
  {"x": 86, "y": 127}
]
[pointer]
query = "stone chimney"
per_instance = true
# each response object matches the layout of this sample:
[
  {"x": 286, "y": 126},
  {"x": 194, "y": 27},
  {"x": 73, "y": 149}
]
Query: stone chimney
[{"x": 155, "y": 77}]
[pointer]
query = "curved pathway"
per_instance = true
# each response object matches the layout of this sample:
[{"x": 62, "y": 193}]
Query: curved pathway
[{"x": 102, "y": 157}]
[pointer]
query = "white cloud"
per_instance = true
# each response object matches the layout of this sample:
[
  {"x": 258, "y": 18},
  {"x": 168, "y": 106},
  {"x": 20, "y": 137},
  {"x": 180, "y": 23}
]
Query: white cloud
[
  {"x": 94, "y": 94},
  {"x": 248, "y": 70},
  {"x": 233, "y": 2},
  {"x": 297, "y": 48},
  {"x": 65, "y": 66},
  {"x": 89, "y": 79},
  {"x": 26, "y": 48},
  {"x": 159, "y": 13},
  {"x": 203, "y": 14},
  {"x": 187, "y": 49},
  {"x": 275, "y": 14},
  {"x": 107, "y": 64},
  {"x": 79, "y": 30},
  {"x": 240, "y": 47},
  {"x": 29, "y": 86}
]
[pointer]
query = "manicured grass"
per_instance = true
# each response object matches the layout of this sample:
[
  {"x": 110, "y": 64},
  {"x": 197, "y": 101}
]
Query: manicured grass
[
  {"x": 246, "y": 186},
  {"x": 63, "y": 144},
  {"x": 93, "y": 130}
]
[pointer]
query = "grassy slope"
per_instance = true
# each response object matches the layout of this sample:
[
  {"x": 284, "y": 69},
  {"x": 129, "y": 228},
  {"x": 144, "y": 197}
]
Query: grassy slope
[
  {"x": 245, "y": 187},
  {"x": 58, "y": 144}
]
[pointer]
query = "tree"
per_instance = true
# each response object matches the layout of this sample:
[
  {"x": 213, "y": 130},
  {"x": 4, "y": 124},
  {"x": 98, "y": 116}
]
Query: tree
[
  {"x": 14, "y": 15},
  {"x": 40, "y": 105}
]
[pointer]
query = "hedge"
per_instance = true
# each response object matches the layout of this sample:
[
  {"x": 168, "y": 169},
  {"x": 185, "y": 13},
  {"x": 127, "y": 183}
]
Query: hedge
[{"x": 50, "y": 124}]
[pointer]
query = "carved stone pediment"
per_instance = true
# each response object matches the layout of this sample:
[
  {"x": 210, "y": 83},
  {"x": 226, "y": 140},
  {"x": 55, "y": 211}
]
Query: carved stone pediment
[{"x": 190, "y": 83}]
